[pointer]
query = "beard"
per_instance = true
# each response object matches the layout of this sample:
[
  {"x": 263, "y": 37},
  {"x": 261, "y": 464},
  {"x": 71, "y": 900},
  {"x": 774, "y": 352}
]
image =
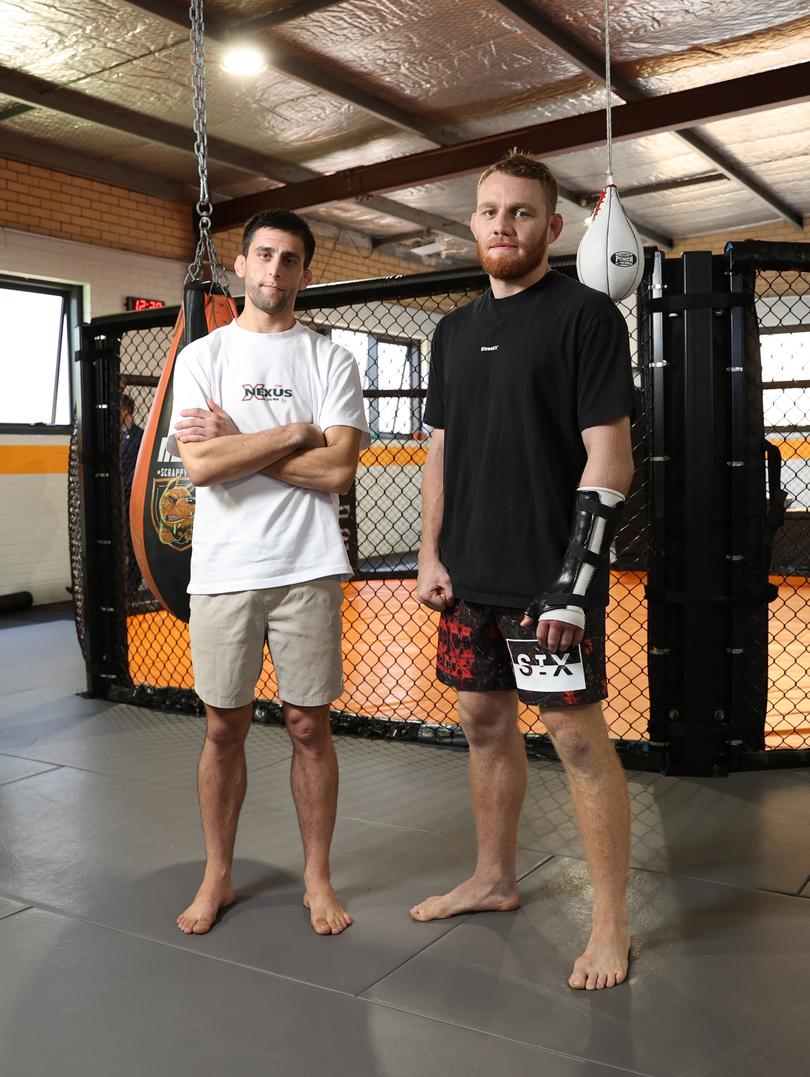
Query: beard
[
  {"x": 512, "y": 264},
  {"x": 266, "y": 303}
]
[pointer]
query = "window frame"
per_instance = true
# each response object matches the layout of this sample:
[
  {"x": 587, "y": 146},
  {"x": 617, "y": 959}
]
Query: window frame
[
  {"x": 71, "y": 295},
  {"x": 413, "y": 361}
]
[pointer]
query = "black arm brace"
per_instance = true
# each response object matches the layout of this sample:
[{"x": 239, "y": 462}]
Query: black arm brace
[{"x": 584, "y": 549}]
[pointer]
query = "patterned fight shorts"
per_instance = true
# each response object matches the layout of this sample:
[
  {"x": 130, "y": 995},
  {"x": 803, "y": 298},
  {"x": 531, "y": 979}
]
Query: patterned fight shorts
[{"x": 484, "y": 649}]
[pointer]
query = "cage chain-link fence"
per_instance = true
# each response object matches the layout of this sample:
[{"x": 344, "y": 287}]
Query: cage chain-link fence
[
  {"x": 389, "y": 639},
  {"x": 75, "y": 533},
  {"x": 783, "y": 314}
]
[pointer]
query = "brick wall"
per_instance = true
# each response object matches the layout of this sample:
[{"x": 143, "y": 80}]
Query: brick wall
[
  {"x": 34, "y": 199},
  {"x": 776, "y": 231}
]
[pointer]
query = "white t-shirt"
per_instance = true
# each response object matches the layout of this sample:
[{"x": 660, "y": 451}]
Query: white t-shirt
[{"x": 257, "y": 531}]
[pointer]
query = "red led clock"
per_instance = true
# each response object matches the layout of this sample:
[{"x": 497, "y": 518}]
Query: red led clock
[{"x": 137, "y": 302}]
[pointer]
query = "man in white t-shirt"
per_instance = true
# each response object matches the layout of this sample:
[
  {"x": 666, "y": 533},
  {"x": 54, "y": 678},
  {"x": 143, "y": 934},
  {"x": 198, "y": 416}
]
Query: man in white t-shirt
[{"x": 269, "y": 422}]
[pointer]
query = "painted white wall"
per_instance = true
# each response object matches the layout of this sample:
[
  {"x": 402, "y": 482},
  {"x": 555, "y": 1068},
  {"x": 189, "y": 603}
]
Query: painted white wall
[
  {"x": 109, "y": 275},
  {"x": 34, "y": 552}
]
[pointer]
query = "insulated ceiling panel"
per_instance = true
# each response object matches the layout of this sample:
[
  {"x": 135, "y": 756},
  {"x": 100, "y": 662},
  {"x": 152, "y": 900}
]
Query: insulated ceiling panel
[
  {"x": 383, "y": 148},
  {"x": 642, "y": 31},
  {"x": 716, "y": 207},
  {"x": 588, "y": 98},
  {"x": 450, "y": 61},
  {"x": 271, "y": 113},
  {"x": 67, "y": 42},
  {"x": 357, "y": 216},
  {"x": 776, "y": 145},
  {"x": 81, "y": 136},
  {"x": 654, "y": 159},
  {"x": 746, "y": 55},
  {"x": 85, "y": 141}
]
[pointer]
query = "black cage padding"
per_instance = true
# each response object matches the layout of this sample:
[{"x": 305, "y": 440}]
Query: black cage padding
[{"x": 708, "y": 589}]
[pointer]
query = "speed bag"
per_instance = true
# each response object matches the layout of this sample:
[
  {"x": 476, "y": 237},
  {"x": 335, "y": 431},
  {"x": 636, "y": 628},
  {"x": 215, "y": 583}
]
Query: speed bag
[
  {"x": 161, "y": 509},
  {"x": 610, "y": 256}
]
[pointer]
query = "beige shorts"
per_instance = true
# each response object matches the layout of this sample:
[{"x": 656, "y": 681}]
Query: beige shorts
[{"x": 302, "y": 625}]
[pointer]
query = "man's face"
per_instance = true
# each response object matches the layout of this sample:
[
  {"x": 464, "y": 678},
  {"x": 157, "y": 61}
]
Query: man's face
[
  {"x": 273, "y": 270},
  {"x": 512, "y": 226}
]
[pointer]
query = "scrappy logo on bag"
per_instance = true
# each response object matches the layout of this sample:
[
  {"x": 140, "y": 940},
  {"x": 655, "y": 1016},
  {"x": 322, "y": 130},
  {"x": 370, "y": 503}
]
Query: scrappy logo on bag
[{"x": 173, "y": 511}]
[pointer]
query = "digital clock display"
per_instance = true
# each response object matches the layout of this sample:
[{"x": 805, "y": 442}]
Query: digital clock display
[{"x": 137, "y": 302}]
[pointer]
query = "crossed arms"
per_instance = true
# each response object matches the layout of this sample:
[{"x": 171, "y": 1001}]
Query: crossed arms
[{"x": 300, "y": 454}]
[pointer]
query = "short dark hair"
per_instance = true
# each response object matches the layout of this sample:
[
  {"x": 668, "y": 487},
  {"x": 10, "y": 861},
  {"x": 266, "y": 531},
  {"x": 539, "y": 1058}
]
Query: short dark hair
[
  {"x": 524, "y": 166},
  {"x": 127, "y": 403},
  {"x": 285, "y": 221}
]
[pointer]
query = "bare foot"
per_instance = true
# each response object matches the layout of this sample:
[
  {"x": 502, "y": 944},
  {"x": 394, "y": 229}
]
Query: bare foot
[
  {"x": 605, "y": 961},
  {"x": 326, "y": 913},
  {"x": 471, "y": 896},
  {"x": 199, "y": 917}
]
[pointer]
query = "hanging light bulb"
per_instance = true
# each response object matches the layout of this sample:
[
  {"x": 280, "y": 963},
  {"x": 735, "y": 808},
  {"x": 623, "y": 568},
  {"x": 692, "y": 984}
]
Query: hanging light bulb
[{"x": 244, "y": 60}]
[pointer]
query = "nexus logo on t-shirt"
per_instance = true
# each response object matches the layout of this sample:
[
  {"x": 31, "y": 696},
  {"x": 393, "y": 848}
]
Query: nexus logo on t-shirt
[
  {"x": 489, "y": 347},
  {"x": 262, "y": 392}
]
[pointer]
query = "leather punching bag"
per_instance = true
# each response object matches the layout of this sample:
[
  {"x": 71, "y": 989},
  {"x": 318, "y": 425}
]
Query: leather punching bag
[{"x": 161, "y": 509}]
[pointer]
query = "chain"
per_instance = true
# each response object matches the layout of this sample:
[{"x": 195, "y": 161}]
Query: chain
[
  {"x": 609, "y": 93},
  {"x": 206, "y": 252}
]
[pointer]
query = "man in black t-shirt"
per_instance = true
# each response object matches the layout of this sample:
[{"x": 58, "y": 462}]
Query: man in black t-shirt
[{"x": 530, "y": 395}]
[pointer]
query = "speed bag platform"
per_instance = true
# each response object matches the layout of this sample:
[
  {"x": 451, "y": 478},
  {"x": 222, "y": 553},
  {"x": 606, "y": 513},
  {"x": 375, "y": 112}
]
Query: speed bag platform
[{"x": 161, "y": 509}]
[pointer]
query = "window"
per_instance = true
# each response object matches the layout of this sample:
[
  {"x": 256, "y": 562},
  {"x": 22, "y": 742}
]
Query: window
[
  {"x": 390, "y": 369},
  {"x": 785, "y": 377},
  {"x": 35, "y": 352},
  {"x": 786, "y": 404}
]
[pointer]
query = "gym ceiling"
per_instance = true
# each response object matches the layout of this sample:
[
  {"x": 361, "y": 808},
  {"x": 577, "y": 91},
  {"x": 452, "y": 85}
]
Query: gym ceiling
[{"x": 376, "y": 115}]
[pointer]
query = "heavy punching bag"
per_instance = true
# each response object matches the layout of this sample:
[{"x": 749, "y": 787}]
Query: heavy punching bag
[{"x": 161, "y": 509}]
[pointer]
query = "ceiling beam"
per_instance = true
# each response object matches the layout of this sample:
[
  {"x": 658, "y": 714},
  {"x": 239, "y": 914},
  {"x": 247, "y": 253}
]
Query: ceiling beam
[
  {"x": 594, "y": 65},
  {"x": 663, "y": 185},
  {"x": 14, "y": 110},
  {"x": 425, "y": 220},
  {"x": 43, "y": 94},
  {"x": 706, "y": 104},
  {"x": 310, "y": 75},
  {"x": 302, "y": 71}
]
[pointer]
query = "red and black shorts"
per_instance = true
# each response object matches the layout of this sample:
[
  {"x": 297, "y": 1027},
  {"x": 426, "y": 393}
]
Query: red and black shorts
[{"x": 484, "y": 649}]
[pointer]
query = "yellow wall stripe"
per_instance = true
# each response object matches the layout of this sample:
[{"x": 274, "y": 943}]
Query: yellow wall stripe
[
  {"x": 53, "y": 459},
  {"x": 33, "y": 459},
  {"x": 393, "y": 454},
  {"x": 790, "y": 448}
]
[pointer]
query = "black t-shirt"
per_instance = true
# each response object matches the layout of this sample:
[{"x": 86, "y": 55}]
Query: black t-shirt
[{"x": 513, "y": 382}]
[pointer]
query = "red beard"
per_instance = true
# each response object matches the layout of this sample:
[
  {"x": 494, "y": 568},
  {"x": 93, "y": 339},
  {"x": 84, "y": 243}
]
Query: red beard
[{"x": 512, "y": 264}]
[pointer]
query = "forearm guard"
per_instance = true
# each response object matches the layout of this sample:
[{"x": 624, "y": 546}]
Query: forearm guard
[{"x": 596, "y": 516}]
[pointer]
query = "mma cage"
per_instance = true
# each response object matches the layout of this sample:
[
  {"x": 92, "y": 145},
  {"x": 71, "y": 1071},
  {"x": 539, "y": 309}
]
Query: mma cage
[{"x": 708, "y": 624}]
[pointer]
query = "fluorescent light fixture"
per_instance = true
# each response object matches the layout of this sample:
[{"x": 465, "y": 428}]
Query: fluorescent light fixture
[{"x": 243, "y": 60}]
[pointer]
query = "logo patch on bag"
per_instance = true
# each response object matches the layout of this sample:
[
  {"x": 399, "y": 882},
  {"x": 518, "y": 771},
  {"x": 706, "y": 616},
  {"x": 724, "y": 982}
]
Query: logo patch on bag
[
  {"x": 625, "y": 259},
  {"x": 172, "y": 512},
  {"x": 539, "y": 670}
]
